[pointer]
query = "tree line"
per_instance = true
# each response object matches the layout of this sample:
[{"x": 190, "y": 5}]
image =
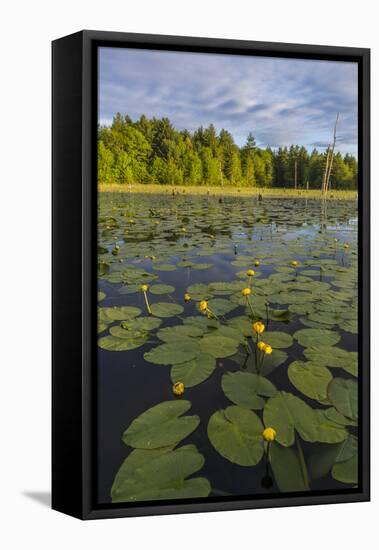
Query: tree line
[{"x": 153, "y": 151}]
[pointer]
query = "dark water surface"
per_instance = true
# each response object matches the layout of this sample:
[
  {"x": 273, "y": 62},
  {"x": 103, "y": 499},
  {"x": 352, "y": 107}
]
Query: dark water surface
[{"x": 273, "y": 231}]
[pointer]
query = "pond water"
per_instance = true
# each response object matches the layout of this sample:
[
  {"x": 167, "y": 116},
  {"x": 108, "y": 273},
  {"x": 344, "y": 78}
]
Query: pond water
[{"x": 302, "y": 384}]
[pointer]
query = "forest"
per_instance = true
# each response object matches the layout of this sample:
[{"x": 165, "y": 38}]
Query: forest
[{"x": 153, "y": 151}]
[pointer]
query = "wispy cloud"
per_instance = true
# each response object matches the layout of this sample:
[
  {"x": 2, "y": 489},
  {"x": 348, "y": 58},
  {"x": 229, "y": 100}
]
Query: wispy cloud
[{"x": 282, "y": 101}]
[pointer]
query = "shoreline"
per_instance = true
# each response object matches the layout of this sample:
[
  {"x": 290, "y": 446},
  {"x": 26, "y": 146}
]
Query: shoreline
[{"x": 228, "y": 191}]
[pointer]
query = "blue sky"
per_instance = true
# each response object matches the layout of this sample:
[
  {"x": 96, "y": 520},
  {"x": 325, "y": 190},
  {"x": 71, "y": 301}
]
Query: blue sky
[{"x": 281, "y": 101}]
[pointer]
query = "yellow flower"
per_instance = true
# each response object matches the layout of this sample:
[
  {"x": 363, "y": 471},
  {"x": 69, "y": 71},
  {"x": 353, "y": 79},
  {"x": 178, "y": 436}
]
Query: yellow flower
[
  {"x": 346, "y": 245},
  {"x": 258, "y": 327},
  {"x": 294, "y": 263},
  {"x": 257, "y": 263},
  {"x": 269, "y": 434},
  {"x": 267, "y": 349},
  {"x": 251, "y": 272},
  {"x": 261, "y": 345},
  {"x": 246, "y": 291},
  {"x": 178, "y": 388},
  {"x": 203, "y": 306},
  {"x": 184, "y": 229},
  {"x": 187, "y": 297},
  {"x": 144, "y": 288}
]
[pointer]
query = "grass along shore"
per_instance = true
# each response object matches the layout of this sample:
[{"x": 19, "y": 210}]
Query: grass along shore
[{"x": 226, "y": 191}]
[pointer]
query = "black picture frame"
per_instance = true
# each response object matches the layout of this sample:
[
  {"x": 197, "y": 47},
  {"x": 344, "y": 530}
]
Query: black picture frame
[{"x": 74, "y": 206}]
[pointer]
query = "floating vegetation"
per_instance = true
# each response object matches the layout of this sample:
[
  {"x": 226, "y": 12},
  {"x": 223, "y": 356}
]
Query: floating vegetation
[{"x": 244, "y": 312}]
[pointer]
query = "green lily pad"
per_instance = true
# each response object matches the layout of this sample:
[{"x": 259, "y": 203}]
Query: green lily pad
[
  {"x": 119, "y": 313},
  {"x": 278, "y": 339},
  {"x": 310, "y": 379},
  {"x": 101, "y": 295},
  {"x": 247, "y": 389},
  {"x": 161, "y": 289},
  {"x": 343, "y": 394},
  {"x": 161, "y": 426},
  {"x": 310, "y": 337},
  {"x": 236, "y": 434},
  {"x": 195, "y": 371},
  {"x": 218, "y": 346},
  {"x": 160, "y": 474},
  {"x": 172, "y": 353},
  {"x": 286, "y": 468},
  {"x": 333, "y": 357},
  {"x": 166, "y": 309},
  {"x": 347, "y": 471},
  {"x": 178, "y": 332},
  {"x": 112, "y": 343},
  {"x": 285, "y": 412}
]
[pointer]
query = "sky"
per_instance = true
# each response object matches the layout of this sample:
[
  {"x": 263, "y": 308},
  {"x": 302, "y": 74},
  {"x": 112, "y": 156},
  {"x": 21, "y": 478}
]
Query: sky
[{"x": 281, "y": 101}]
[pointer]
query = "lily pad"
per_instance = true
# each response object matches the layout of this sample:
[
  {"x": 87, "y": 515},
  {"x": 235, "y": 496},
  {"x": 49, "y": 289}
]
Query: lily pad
[
  {"x": 236, "y": 434},
  {"x": 218, "y": 346},
  {"x": 333, "y": 357},
  {"x": 278, "y": 339},
  {"x": 247, "y": 389},
  {"x": 286, "y": 467},
  {"x": 166, "y": 309},
  {"x": 286, "y": 412},
  {"x": 347, "y": 471},
  {"x": 172, "y": 353},
  {"x": 195, "y": 371},
  {"x": 310, "y": 337},
  {"x": 161, "y": 289},
  {"x": 160, "y": 426},
  {"x": 310, "y": 379},
  {"x": 343, "y": 394},
  {"x": 160, "y": 474},
  {"x": 112, "y": 343}
]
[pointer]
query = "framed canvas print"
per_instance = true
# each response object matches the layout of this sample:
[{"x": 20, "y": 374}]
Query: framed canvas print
[{"x": 210, "y": 274}]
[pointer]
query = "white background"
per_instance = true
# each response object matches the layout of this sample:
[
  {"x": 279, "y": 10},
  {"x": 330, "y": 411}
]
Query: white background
[{"x": 27, "y": 29}]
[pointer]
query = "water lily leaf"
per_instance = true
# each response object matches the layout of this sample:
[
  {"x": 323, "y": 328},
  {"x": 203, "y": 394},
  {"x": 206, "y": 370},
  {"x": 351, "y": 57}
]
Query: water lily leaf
[
  {"x": 247, "y": 389},
  {"x": 112, "y": 343},
  {"x": 173, "y": 334},
  {"x": 119, "y": 313},
  {"x": 161, "y": 426},
  {"x": 161, "y": 289},
  {"x": 323, "y": 459},
  {"x": 220, "y": 306},
  {"x": 333, "y": 357},
  {"x": 160, "y": 474},
  {"x": 278, "y": 339},
  {"x": 310, "y": 337},
  {"x": 195, "y": 371},
  {"x": 271, "y": 362},
  {"x": 286, "y": 468},
  {"x": 218, "y": 346},
  {"x": 236, "y": 434},
  {"x": 343, "y": 394},
  {"x": 172, "y": 353},
  {"x": 285, "y": 412},
  {"x": 243, "y": 324},
  {"x": 199, "y": 291},
  {"x": 166, "y": 309},
  {"x": 327, "y": 430},
  {"x": 347, "y": 471},
  {"x": 310, "y": 379},
  {"x": 101, "y": 295},
  {"x": 164, "y": 267},
  {"x": 338, "y": 418}
]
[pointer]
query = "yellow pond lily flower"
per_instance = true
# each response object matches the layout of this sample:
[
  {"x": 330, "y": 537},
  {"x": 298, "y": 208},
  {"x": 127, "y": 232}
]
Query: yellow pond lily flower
[
  {"x": 294, "y": 263},
  {"x": 178, "y": 388},
  {"x": 251, "y": 273},
  {"x": 267, "y": 350},
  {"x": 144, "y": 288},
  {"x": 257, "y": 263},
  {"x": 203, "y": 305},
  {"x": 269, "y": 434},
  {"x": 261, "y": 345},
  {"x": 246, "y": 291},
  {"x": 258, "y": 327},
  {"x": 187, "y": 297}
]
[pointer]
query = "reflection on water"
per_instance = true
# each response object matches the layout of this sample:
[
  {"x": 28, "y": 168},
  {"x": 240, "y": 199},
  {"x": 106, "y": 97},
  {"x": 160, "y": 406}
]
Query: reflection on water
[{"x": 228, "y": 237}]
